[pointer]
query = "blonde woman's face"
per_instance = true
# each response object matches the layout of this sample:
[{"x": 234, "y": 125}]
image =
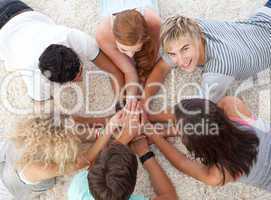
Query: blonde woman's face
[
  {"x": 129, "y": 50},
  {"x": 185, "y": 52}
]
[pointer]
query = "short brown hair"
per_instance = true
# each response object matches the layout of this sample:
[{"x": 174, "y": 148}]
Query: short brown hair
[{"x": 113, "y": 176}]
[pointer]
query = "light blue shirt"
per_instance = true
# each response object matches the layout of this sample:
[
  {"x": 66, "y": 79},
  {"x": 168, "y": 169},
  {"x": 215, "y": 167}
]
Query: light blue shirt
[{"x": 79, "y": 189}]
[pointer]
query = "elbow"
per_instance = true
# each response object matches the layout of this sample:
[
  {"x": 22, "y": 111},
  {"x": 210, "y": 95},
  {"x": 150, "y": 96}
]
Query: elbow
[
  {"x": 214, "y": 179},
  {"x": 212, "y": 183},
  {"x": 173, "y": 196},
  {"x": 167, "y": 197}
]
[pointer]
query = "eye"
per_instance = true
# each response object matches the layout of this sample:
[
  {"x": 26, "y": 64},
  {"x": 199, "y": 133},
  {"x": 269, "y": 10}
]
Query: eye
[
  {"x": 171, "y": 54},
  {"x": 185, "y": 49}
]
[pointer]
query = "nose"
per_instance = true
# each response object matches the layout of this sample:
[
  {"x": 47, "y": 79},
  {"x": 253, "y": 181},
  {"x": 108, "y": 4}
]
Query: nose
[
  {"x": 180, "y": 61},
  {"x": 130, "y": 54}
]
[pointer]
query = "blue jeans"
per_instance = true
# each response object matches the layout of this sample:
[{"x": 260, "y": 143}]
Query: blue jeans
[
  {"x": 10, "y": 8},
  {"x": 268, "y": 4}
]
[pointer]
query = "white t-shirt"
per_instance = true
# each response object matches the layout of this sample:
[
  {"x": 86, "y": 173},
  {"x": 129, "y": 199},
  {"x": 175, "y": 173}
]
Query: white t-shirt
[{"x": 25, "y": 37}]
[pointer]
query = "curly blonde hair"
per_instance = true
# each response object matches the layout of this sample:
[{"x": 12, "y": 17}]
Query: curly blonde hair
[
  {"x": 43, "y": 141},
  {"x": 176, "y": 27}
]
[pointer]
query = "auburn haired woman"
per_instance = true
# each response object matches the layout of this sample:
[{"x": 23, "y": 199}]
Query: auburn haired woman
[
  {"x": 129, "y": 35},
  {"x": 230, "y": 142}
]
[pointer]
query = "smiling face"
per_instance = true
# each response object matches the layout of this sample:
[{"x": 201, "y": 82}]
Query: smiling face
[
  {"x": 130, "y": 51},
  {"x": 185, "y": 52}
]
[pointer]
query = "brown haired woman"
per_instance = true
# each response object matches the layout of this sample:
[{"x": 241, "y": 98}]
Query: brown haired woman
[
  {"x": 230, "y": 142},
  {"x": 129, "y": 35}
]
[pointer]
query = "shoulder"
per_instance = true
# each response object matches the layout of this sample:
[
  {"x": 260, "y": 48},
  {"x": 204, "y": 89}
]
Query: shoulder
[
  {"x": 152, "y": 19},
  {"x": 234, "y": 107},
  {"x": 137, "y": 197},
  {"x": 78, "y": 188},
  {"x": 104, "y": 30}
]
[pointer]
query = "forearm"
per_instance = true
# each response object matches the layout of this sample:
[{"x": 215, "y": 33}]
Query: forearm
[
  {"x": 91, "y": 121},
  {"x": 160, "y": 181},
  {"x": 100, "y": 143},
  {"x": 181, "y": 162},
  {"x": 104, "y": 63},
  {"x": 156, "y": 78},
  {"x": 153, "y": 84},
  {"x": 131, "y": 83}
]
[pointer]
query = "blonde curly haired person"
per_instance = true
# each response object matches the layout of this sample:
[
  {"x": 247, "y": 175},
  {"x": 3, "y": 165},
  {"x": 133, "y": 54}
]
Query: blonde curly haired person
[{"x": 40, "y": 150}]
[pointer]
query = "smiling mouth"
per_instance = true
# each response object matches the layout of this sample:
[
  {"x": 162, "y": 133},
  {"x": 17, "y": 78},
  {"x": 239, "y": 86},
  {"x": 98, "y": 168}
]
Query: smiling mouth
[{"x": 188, "y": 65}]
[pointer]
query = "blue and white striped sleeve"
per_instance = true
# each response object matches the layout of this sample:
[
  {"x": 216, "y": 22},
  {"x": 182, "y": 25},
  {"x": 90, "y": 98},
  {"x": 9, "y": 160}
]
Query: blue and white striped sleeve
[{"x": 214, "y": 86}]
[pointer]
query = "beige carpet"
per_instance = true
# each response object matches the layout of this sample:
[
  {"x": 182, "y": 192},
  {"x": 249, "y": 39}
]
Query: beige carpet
[{"x": 83, "y": 14}]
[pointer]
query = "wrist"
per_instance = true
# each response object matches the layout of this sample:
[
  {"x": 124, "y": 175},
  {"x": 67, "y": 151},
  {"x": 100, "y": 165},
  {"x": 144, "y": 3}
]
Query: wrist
[
  {"x": 124, "y": 138},
  {"x": 142, "y": 152},
  {"x": 147, "y": 156}
]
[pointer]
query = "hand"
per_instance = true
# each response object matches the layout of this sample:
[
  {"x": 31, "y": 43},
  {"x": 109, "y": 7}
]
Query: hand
[
  {"x": 151, "y": 137},
  {"x": 140, "y": 146},
  {"x": 116, "y": 121},
  {"x": 132, "y": 126}
]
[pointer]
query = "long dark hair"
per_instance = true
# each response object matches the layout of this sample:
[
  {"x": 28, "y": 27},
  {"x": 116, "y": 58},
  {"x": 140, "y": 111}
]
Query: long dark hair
[{"x": 214, "y": 139}]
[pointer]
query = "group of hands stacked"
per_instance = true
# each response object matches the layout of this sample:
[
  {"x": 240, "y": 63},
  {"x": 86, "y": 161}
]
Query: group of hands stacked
[{"x": 130, "y": 126}]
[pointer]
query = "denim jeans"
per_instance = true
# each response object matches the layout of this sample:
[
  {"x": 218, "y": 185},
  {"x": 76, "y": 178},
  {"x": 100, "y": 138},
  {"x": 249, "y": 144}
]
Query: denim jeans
[
  {"x": 10, "y": 8},
  {"x": 268, "y": 4}
]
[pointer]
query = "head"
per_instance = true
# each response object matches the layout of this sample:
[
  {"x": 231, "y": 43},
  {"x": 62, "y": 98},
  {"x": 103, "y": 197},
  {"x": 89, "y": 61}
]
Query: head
[
  {"x": 60, "y": 64},
  {"x": 133, "y": 37},
  {"x": 209, "y": 135},
  {"x": 181, "y": 39},
  {"x": 113, "y": 175},
  {"x": 43, "y": 141}
]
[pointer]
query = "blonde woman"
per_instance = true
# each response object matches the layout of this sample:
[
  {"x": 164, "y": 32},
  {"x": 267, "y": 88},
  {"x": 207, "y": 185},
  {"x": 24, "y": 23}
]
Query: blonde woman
[
  {"x": 226, "y": 51},
  {"x": 39, "y": 151}
]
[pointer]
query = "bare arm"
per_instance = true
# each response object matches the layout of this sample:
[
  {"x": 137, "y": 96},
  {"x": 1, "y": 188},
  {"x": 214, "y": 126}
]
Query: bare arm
[
  {"x": 100, "y": 143},
  {"x": 91, "y": 121},
  {"x": 160, "y": 181},
  {"x": 106, "y": 64},
  {"x": 234, "y": 107},
  {"x": 163, "y": 187},
  {"x": 209, "y": 175},
  {"x": 105, "y": 39},
  {"x": 157, "y": 77}
]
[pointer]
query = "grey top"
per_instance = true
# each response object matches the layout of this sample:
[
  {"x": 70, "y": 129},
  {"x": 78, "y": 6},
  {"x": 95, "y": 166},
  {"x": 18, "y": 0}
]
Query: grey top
[
  {"x": 260, "y": 173},
  {"x": 235, "y": 51},
  {"x": 9, "y": 175},
  {"x": 109, "y": 7}
]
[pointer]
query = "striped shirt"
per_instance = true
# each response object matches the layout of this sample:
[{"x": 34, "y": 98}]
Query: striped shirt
[{"x": 235, "y": 50}]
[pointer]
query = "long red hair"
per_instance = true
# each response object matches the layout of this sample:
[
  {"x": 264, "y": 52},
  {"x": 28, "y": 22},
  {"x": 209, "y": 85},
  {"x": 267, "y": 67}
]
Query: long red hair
[{"x": 130, "y": 28}]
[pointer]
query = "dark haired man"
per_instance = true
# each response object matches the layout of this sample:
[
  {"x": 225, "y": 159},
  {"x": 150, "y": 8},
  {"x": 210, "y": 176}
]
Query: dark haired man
[
  {"x": 114, "y": 172},
  {"x": 45, "y": 52},
  {"x": 113, "y": 175}
]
